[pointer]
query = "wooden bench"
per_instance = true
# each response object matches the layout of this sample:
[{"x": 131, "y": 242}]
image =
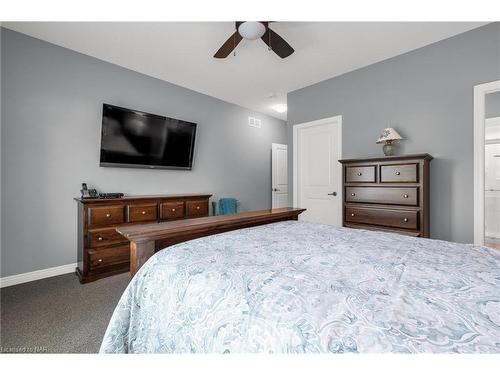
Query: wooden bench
[{"x": 146, "y": 239}]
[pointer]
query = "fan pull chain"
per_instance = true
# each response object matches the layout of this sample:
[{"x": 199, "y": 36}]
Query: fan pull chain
[
  {"x": 269, "y": 47},
  {"x": 234, "y": 42}
]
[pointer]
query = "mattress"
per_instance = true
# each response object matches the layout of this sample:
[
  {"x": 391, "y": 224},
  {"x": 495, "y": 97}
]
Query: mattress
[{"x": 298, "y": 287}]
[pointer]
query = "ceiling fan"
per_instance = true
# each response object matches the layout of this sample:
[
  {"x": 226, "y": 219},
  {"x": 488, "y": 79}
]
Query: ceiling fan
[{"x": 255, "y": 30}]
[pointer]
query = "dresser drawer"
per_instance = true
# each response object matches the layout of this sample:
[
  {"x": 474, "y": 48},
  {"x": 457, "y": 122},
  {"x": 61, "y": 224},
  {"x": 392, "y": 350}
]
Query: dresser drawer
[
  {"x": 104, "y": 216},
  {"x": 142, "y": 212},
  {"x": 101, "y": 258},
  {"x": 382, "y": 195},
  {"x": 399, "y": 173},
  {"x": 382, "y": 216},
  {"x": 105, "y": 237},
  {"x": 360, "y": 174},
  {"x": 196, "y": 208},
  {"x": 172, "y": 210}
]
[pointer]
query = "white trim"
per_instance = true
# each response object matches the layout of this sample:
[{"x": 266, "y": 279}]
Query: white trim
[
  {"x": 480, "y": 92},
  {"x": 328, "y": 120},
  {"x": 37, "y": 275}
]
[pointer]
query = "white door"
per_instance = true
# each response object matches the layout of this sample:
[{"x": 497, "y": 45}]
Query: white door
[
  {"x": 318, "y": 172},
  {"x": 279, "y": 175}
]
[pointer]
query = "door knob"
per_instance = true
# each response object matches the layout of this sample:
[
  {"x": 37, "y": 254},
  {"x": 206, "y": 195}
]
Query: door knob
[
  {"x": 334, "y": 193},
  {"x": 276, "y": 189}
]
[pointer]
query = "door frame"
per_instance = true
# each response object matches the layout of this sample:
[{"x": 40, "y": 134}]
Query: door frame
[
  {"x": 337, "y": 120},
  {"x": 480, "y": 92},
  {"x": 273, "y": 163}
]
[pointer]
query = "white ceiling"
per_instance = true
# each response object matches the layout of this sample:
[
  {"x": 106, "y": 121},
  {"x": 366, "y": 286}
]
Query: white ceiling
[{"x": 181, "y": 52}]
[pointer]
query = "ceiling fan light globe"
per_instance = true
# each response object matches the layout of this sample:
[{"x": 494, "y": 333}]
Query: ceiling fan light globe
[{"x": 251, "y": 30}]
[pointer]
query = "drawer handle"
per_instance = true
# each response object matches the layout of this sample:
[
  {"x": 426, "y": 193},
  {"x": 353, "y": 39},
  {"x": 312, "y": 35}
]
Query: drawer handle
[
  {"x": 405, "y": 220},
  {"x": 173, "y": 209},
  {"x": 197, "y": 207},
  {"x": 353, "y": 194},
  {"x": 397, "y": 173},
  {"x": 359, "y": 173},
  {"x": 108, "y": 215},
  {"x": 99, "y": 238},
  {"x": 143, "y": 212},
  {"x": 405, "y": 195},
  {"x": 99, "y": 260},
  {"x": 352, "y": 215}
]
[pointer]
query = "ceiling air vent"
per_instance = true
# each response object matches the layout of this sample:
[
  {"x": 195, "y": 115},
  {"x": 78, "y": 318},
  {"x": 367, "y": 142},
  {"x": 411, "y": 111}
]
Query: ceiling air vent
[{"x": 254, "y": 122}]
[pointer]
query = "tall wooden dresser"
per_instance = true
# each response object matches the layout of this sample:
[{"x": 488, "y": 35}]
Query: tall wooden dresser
[
  {"x": 387, "y": 193},
  {"x": 102, "y": 251}
]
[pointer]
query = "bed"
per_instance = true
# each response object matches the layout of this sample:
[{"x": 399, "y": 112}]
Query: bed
[{"x": 298, "y": 287}]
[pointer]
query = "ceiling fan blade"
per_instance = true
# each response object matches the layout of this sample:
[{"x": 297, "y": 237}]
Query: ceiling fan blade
[
  {"x": 228, "y": 46},
  {"x": 277, "y": 43}
]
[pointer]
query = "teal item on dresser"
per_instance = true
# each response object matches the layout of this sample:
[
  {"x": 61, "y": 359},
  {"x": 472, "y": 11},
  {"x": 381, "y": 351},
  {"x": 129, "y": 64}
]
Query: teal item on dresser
[{"x": 227, "y": 206}]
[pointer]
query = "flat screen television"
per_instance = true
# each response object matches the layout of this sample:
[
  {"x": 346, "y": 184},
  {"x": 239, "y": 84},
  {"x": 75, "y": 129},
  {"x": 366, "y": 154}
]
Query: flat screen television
[{"x": 137, "y": 139}]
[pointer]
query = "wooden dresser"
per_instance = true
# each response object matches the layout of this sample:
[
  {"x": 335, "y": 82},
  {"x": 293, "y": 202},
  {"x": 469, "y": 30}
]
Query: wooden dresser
[
  {"x": 102, "y": 251},
  {"x": 387, "y": 193}
]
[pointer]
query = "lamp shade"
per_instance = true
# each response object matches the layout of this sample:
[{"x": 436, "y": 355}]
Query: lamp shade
[{"x": 389, "y": 134}]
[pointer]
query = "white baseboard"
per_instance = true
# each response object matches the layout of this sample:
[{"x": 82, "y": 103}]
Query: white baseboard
[{"x": 36, "y": 275}]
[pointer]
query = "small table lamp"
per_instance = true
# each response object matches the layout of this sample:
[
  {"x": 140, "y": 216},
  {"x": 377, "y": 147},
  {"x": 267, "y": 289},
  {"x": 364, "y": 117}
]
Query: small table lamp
[{"x": 389, "y": 136}]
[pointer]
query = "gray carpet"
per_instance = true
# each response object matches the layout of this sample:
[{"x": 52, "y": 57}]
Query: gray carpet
[{"x": 58, "y": 314}]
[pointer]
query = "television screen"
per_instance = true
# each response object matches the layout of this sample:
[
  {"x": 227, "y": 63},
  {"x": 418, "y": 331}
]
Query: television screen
[{"x": 131, "y": 138}]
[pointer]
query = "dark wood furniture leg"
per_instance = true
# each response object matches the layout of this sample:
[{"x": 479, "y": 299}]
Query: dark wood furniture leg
[{"x": 140, "y": 252}]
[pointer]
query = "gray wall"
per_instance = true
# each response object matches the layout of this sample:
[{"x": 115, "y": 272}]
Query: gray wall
[
  {"x": 52, "y": 99},
  {"x": 427, "y": 95}
]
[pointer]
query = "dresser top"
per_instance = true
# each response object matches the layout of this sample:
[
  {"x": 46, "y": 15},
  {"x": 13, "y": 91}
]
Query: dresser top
[
  {"x": 389, "y": 158},
  {"x": 139, "y": 197}
]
